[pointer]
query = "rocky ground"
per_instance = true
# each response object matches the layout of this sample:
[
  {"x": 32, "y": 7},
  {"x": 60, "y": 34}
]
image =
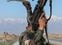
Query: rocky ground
[
  {"x": 55, "y": 36},
  {"x": 9, "y": 39}
]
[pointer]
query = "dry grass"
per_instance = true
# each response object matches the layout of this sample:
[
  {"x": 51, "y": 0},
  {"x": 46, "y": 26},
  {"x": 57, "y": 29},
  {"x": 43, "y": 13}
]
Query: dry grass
[{"x": 55, "y": 36}]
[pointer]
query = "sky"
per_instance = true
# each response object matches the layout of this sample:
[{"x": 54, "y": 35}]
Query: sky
[
  {"x": 13, "y": 16},
  {"x": 15, "y": 9}
]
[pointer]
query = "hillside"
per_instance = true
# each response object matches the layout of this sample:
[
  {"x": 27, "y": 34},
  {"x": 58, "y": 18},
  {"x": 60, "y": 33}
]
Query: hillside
[
  {"x": 55, "y": 36},
  {"x": 8, "y": 37}
]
